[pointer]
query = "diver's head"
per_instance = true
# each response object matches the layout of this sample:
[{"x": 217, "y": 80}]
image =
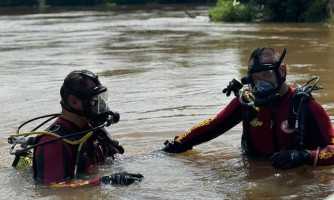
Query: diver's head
[
  {"x": 83, "y": 94},
  {"x": 266, "y": 73}
]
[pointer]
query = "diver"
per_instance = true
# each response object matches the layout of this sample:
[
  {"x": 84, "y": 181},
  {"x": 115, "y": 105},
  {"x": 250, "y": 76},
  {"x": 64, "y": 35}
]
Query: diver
[
  {"x": 282, "y": 123},
  {"x": 77, "y": 140}
]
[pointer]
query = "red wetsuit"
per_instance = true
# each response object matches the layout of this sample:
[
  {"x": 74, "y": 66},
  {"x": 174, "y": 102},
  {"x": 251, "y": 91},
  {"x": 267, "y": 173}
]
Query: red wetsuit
[
  {"x": 268, "y": 132},
  {"x": 54, "y": 162}
]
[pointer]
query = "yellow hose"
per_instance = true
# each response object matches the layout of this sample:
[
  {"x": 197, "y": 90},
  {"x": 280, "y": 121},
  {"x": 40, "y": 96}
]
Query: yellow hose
[
  {"x": 80, "y": 142},
  {"x": 51, "y": 134}
]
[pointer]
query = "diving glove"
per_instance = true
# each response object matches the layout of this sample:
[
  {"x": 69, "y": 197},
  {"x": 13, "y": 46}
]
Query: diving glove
[
  {"x": 175, "y": 146},
  {"x": 233, "y": 86},
  {"x": 114, "y": 147},
  {"x": 122, "y": 178},
  {"x": 289, "y": 159},
  {"x": 109, "y": 145}
]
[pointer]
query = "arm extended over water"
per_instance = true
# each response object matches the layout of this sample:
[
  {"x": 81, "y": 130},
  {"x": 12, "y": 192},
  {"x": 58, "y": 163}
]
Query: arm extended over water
[{"x": 207, "y": 130}]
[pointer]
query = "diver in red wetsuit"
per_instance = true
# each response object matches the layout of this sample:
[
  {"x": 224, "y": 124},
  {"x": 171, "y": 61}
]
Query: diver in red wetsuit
[
  {"x": 84, "y": 106},
  {"x": 291, "y": 132}
]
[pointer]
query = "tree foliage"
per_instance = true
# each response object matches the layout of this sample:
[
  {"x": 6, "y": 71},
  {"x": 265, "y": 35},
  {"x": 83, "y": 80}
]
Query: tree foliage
[
  {"x": 272, "y": 10},
  {"x": 318, "y": 12},
  {"x": 296, "y": 10},
  {"x": 231, "y": 11},
  {"x": 225, "y": 10}
]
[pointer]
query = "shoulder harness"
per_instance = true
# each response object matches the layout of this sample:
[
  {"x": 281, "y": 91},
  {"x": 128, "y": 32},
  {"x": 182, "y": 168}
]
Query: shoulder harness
[{"x": 297, "y": 111}]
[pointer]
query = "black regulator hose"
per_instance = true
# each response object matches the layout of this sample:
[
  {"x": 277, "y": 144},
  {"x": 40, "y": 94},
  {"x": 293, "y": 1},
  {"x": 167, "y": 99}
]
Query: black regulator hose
[
  {"x": 60, "y": 138},
  {"x": 112, "y": 118},
  {"x": 52, "y": 116}
]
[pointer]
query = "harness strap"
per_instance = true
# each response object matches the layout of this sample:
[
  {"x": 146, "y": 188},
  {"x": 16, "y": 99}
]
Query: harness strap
[
  {"x": 297, "y": 115},
  {"x": 273, "y": 129}
]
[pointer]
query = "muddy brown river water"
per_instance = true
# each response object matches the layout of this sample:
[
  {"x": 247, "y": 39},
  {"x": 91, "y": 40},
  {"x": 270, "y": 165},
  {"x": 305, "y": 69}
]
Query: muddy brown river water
[{"x": 165, "y": 72}]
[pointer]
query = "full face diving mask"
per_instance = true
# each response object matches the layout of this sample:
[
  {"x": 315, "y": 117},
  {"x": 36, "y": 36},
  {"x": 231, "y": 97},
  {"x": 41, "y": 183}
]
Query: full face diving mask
[
  {"x": 265, "y": 85},
  {"x": 94, "y": 99},
  {"x": 264, "y": 79}
]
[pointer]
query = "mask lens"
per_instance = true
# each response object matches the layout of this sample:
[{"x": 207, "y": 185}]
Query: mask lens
[
  {"x": 264, "y": 82},
  {"x": 263, "y": 86},
  {"x": 99, "y": 104}
]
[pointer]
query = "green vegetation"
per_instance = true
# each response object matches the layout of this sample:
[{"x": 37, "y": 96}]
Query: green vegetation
[
  {"x": 225, "y": 10},
  {"x": 231, "y": 11},
  {"x": 331, "y": 19},
  {"x": 270, "y": 10},
  {"x": 317, "y": 11}
]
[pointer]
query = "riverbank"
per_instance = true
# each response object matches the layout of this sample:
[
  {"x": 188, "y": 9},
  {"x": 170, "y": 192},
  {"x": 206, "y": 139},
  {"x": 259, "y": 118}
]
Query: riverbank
[{"x": 315, "y": 11}]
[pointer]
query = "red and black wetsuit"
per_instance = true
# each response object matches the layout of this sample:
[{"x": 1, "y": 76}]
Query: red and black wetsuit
[
  {"x": 267, "y": 131},
  {"x": 54, "y": 162}
]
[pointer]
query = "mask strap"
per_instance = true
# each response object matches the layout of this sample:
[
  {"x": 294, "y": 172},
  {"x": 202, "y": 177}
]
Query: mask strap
[
  {"x": 280, "y": 60},
  {"x": 68, "y": 107},
  {"x": 256, "y": 56},
  {"x": 278, "y": 64},
  {"x": 72, "y": 110}
]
